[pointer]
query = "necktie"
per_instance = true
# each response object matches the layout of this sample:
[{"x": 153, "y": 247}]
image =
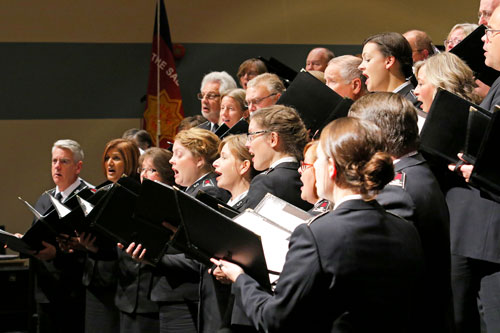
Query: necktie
[
  {"x": 58, "y": 196},
  {"x": 214, "y": 127}
]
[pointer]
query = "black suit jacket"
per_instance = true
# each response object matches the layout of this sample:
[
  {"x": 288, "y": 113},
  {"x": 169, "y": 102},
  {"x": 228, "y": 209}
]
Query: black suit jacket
[
  {"x": 421, "y": 201},
  {"x": 474, "y": 216},
  {"x": 282, "y": 181},
  {"x": 134, "y": 286},
  {"x": 208, "y": 184},
  {"x": 58, "y": 280},
  {"x": 206, "y": 126},
  {"x": 355, "y": 267}
]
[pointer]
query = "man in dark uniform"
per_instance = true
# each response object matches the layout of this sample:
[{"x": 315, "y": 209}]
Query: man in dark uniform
[
  {"x": 59, "y": 293},
  {"x": 475, "y": 221},
  {"x": 415, "y": 195}
]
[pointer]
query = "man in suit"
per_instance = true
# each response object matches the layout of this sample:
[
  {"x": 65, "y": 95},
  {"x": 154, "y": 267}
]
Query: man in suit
[
  {"x": 344, "y": 77},
  {"x": 475, "y": 219},
  {"x": 262, "y": 91},
  {"x": 213, "y": 85},
  {"x": 59, "y": 293},
  {"x": 415, "y": 195}
]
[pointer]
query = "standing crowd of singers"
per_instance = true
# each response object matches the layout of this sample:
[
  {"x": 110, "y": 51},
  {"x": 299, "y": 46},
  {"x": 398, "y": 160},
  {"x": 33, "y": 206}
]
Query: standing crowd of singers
[{"x": 394, "y": 246}]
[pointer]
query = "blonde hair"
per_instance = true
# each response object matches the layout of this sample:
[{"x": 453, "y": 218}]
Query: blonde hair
[
  {"x": 467, "y": 28},
  {"x": 447, "y": 71},
  {"x": 238, "y": 95},
  {"x": 201, "y": 143},
  {"x": 237, "y": 146}
]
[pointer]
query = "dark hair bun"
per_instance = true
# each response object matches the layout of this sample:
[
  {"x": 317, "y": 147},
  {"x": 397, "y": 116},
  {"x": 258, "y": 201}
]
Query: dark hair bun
[{"x": 378, "y": 172}]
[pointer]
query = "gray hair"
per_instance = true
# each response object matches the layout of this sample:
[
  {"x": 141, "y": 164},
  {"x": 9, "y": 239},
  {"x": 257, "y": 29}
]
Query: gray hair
[
  {"x": 271, "y": 81},
  {"x": 71, "y": 145},
  {"x": 467, "y": 28},
  {"x": 348, "y": 67},
  {"x": 225, "y": 80}
]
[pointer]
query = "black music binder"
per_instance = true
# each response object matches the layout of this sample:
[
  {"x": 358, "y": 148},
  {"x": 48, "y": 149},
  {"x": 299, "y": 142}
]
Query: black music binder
[
  {"x": 477, "y": 124},
  {"x": 114, "y": 220},
  {"x": 471, "y": 51},
  {"x": 212, "y": 234},
  {"x": 444, "y": 131},
  {"x": 314, "y": 101},
  {"x": 485, "y": 174}
]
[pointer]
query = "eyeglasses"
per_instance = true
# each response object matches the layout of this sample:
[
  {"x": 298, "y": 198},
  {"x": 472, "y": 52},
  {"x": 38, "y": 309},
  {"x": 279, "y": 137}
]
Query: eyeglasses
[
  {"x": 210, "y": 96},
  {"x": 454, "y": 41},
  {"x": 490, "y": 33},
  {"x": 304, "y": 166},
  {"x": 251, "y": 135},
  {"x": 257, "y": 101},
  {"x": 144, "y": 170}
]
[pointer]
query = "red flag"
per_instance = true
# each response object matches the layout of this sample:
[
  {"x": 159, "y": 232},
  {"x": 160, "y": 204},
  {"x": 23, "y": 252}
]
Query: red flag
[{"x": 161, "y": 119}]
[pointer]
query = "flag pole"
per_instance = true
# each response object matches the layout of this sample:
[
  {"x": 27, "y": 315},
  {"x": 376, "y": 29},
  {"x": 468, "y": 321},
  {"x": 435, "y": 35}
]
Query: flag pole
[{"x": 158, "y": 121}]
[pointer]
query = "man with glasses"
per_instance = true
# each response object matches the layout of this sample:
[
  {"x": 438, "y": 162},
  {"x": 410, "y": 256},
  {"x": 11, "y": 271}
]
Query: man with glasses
[
  {"x": 262, "y": 91},
  {"x": 213, "y": 85},
  {"x": 475, "y": 220}
]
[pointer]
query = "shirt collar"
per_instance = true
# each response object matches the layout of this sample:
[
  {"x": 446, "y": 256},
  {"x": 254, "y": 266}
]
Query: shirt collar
[
  {"x": 65, "y": 194},
  {"x": 283, "y": 160},
  {"x": 237, "y": 199},
  {"x": 398, "y": 89},
  {"x": 347, "y": 198}
]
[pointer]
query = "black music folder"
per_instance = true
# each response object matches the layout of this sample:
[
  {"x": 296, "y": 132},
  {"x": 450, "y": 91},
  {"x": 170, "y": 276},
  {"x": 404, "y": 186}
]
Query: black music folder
[
  {"x": 314, "y": 101},
  {"x": 210, "y": 234},
  {"x": 241, "y": 127},
  {"x": 275, "y": 66},
  {"x": 114, "y": 220},
  {"x": 477, "y": 124},
  {"x": 157, "y": 202},
  {"x": 46, "y": 227},
  {"x": 223, "y": 128},
  {"x": 471, "y": 51},
  {"x": 217, "y": 204},
  {"x": 445, "y": 128},
  {"x": 485, "y": 174}
]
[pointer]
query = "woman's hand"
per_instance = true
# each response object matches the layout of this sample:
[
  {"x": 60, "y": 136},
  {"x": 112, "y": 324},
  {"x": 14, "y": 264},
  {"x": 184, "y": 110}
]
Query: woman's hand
[
  {"x": 47, "y": 253},
  {"x": 225, "y": 272},
  {"x": 87, "y": 241},
  {"x": 465, "y": 170},
  {"x": 136, "y": 252}
]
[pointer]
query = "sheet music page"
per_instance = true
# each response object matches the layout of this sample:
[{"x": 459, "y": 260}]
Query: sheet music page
[
  {"x": 274, "y": 238},
  {"x": 281, "y": 212}
]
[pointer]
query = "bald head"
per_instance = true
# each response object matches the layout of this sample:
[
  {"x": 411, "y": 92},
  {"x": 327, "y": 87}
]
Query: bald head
[
  {"x": 421, "y": 44},
  {"x": 318, "y": 59},
  {"x": 486, "y": 8}
]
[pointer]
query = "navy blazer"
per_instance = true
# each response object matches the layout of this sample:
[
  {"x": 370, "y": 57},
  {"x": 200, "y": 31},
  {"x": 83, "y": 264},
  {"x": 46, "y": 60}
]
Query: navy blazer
[
  {"x": 417, "y": 197},
  {"x": 355, "y": 269},
  {"x": 60, "y": 279},
  {"x": 282, "y": 181},
  {"x": 474, "y": 216}
]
